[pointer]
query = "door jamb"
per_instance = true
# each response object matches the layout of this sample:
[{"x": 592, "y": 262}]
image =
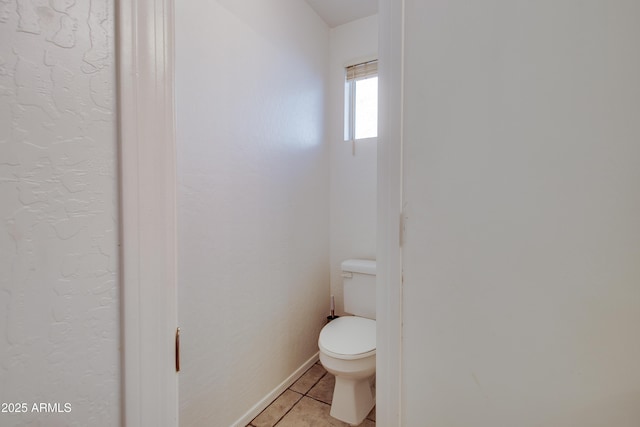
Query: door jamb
[
  {"x": 390, "y": 214},
  {"x": 147, "y": 159}
]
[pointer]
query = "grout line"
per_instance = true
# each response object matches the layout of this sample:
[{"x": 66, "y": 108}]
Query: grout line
[
  {"x": 318, "y": 400},
  {"x": 279, "y": 419},
  {"x": 303, "y": 395},
  {"x": 290, "y": 409},
  {"x": 316, "y": 383}
]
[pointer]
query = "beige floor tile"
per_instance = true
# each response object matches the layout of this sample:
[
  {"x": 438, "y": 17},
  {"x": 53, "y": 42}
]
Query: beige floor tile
[
  {"x": 272, "y": 414},
  {"x": 292, "y": 409},
  {"x": 323, "y": 391},
  {"x": 306, "y": 381},
  {"x": 310, "y": 413}
]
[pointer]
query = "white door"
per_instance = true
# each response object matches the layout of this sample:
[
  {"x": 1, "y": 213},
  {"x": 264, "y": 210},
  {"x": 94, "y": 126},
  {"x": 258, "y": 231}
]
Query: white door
[{"x": 521, "y": 301}]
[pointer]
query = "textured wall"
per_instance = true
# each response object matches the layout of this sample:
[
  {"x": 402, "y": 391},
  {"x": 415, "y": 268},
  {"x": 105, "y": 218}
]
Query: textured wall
[
  {"x": 522, "y": 248},
  {"x": 353, "y": 177},
  {"x": 253, "y": 196},
  {"x": 58, "y": 229}
]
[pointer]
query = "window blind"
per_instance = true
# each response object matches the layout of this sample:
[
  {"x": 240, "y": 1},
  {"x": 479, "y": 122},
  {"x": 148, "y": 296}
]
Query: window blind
[{"x": 362, "y": 71}]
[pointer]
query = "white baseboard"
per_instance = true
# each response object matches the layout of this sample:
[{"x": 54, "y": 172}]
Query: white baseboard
[{"x": 269, "y": 398}]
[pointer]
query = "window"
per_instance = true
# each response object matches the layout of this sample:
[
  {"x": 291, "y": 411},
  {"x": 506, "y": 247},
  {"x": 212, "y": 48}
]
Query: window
[{"x": 361, "y": 101}]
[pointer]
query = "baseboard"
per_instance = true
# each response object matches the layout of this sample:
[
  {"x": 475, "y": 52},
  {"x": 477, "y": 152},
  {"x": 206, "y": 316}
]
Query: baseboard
[{"x": 269, "y": 398}]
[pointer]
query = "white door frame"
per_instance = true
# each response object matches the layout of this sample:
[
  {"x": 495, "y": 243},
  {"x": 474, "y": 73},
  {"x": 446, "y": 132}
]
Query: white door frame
[
  {"x": 389, "y": 274},
  {"x": 147, "y": 205}
]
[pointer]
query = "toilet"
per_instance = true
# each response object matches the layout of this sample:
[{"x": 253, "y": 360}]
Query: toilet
[{"x": 348, "y": 344}]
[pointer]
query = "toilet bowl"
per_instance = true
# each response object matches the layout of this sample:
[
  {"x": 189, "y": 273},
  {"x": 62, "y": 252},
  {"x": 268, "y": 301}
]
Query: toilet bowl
[
  {"x": 348, "y": 351},
  {"x": 348, "y": 344}
]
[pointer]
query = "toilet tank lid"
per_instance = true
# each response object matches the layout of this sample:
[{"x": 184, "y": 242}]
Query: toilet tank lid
[{"x": 364, "y": 266}]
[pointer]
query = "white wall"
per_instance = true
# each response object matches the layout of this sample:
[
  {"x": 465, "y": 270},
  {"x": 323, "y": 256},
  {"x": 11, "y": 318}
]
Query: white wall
[
  {"x": 58, "y": 212},
  {"x": 521, "y": 172},
  {"x": 353, "y": 177},
  {"x": 253, "y": 197}
]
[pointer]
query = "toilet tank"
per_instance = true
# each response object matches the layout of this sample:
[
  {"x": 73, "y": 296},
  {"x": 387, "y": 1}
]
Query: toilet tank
[{"x": 359, "y": 287}]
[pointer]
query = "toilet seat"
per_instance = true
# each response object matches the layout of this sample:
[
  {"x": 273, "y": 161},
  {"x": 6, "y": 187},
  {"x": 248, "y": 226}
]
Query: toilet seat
[{"x": 348, "y": 338}]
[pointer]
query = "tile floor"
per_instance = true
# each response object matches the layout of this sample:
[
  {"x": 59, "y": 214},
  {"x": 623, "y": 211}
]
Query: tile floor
[{"x": 306, "y": 404}]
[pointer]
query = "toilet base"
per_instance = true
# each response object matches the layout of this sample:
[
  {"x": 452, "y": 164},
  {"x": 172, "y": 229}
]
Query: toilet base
[{"x": 352, "y": 400}]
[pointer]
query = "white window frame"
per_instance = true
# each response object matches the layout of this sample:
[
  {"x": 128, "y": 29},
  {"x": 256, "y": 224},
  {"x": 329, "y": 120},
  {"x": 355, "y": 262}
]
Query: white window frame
[{"x": 350, "y": 101}]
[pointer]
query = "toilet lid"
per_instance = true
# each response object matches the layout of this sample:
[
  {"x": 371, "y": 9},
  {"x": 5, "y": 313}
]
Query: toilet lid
[{"x": 349, "y": 336}]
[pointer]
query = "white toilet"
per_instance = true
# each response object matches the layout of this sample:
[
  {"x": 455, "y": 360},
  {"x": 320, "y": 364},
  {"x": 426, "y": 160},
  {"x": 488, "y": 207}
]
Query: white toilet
[{"x": 348, "y": 344}]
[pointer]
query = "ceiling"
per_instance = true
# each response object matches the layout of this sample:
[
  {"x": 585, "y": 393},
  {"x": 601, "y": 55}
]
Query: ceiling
[{"x": 338, "y": 12}]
